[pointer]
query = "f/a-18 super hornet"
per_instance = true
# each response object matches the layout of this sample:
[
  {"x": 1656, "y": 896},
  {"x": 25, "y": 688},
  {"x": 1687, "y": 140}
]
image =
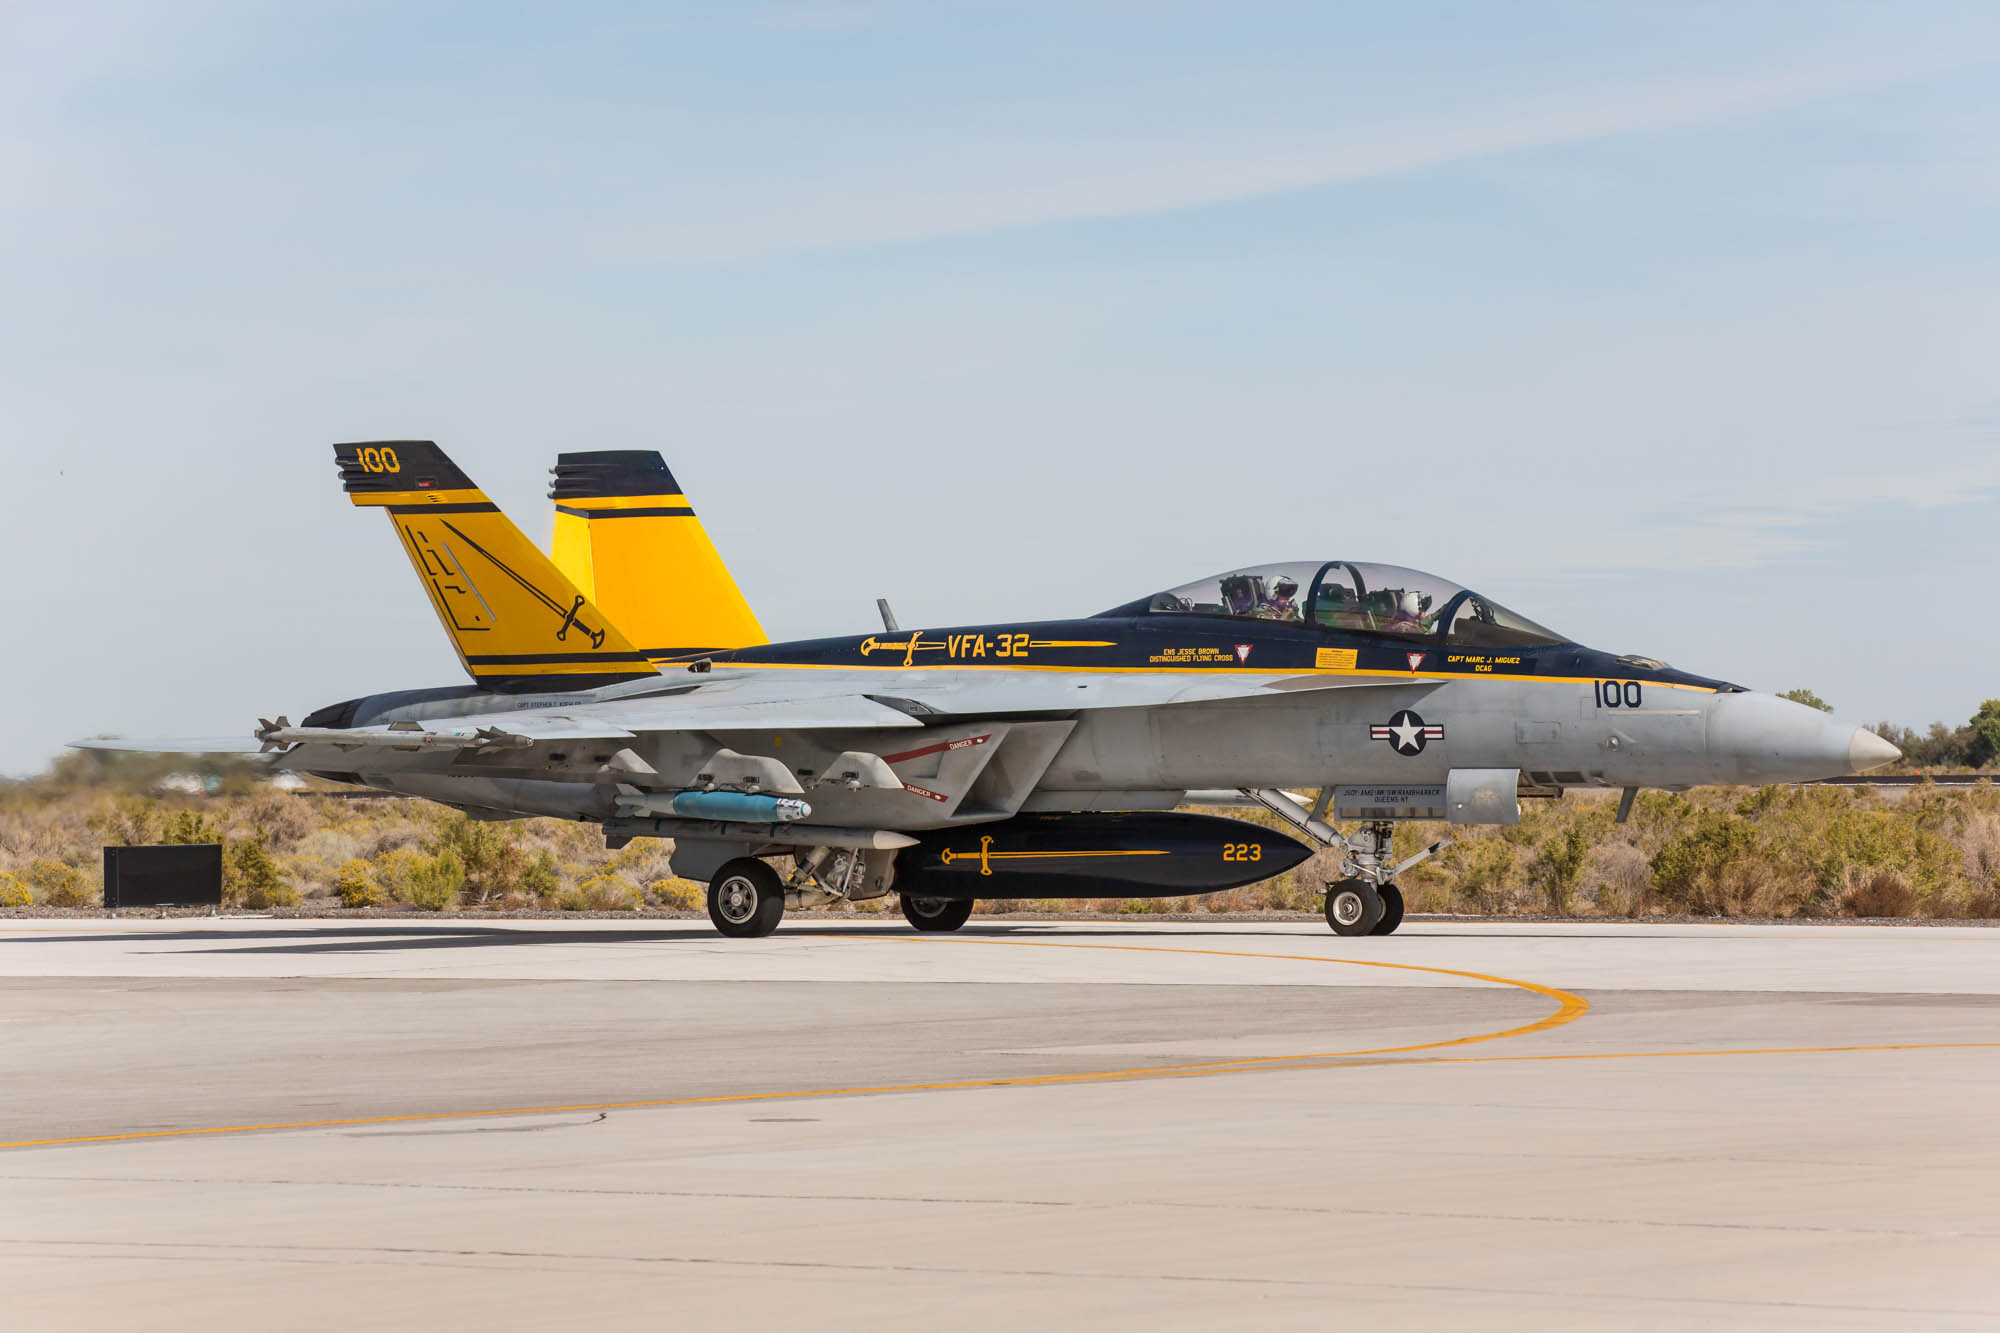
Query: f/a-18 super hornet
[{"x": 1031, "y": 760}]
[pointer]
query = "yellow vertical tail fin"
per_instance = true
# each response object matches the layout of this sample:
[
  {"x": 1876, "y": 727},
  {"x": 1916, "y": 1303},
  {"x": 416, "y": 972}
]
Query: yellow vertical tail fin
[
  {"x": 627, "y": 536},
  {"x": 515, "y": 621}
]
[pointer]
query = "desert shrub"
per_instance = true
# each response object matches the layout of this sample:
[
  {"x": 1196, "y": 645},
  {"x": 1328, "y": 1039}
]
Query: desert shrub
[
  {"x": 13, "y": 893},
  {"x": 1687, "y": 868},
  {"x": 355, "y": 884},
  {"x": 187, "y": 827},
  {"x": 394, "y": 871},
  {"x": 433, "y": 883},
  {"x": 1621, "y": 879},
  {"x": 492, "y": 855},
  {"x": 601, "y": 893},
  {"x": 678, "y": 895},
  {"x": 642, "y": 862},
  {"x": 1884, "y": 893},
  {"x": 280, "y": 818},
  {"x": 1481, "y": 870},
  {"x": 1558, "y": 865},
  {"x": 56, "y": 884},
  {"x": 131, "y": 821},
  {"x": 252, "y": 878},
  {"x": 541, "y": 878}
]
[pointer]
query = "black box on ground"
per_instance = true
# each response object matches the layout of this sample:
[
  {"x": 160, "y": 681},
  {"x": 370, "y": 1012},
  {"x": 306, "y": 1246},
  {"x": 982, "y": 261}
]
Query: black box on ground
[{"x": 187, "y": 876}]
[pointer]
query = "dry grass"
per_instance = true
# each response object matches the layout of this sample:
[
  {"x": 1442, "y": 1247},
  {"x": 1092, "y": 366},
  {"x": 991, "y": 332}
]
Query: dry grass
[{"x": 1774, "y": 852}]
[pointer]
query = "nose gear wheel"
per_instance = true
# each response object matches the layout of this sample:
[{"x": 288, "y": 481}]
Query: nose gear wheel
[
  {"x": 1392, "y": 911},
  {"x": 1353, "y": 907}
]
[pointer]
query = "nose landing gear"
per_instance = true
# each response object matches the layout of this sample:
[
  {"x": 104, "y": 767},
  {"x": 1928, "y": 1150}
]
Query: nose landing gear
[{"x": 1366, "y": 901}]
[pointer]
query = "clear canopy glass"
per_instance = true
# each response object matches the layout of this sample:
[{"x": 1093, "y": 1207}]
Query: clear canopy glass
[{"x": 1361, "y": 598}]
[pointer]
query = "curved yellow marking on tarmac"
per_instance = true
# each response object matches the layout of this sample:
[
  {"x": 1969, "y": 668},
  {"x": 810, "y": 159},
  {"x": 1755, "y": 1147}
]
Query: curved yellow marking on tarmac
[{"x": 1569, "y": 1009}]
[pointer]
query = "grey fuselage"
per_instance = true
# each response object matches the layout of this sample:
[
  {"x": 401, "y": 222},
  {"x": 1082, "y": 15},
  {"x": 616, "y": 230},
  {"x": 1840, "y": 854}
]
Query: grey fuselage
[{"x": 1122, "y": 711}]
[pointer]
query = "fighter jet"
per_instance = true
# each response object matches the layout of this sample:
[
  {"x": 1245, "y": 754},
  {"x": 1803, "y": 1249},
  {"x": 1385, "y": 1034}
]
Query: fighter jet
[{"x": 1030, "y": 760}]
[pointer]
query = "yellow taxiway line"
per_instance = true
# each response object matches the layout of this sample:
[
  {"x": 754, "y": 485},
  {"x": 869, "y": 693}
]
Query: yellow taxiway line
[{"x": 1569, "y": 1008}]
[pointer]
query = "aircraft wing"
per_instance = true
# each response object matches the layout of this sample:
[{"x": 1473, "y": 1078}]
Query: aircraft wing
[{"x": 776, "y": 700}]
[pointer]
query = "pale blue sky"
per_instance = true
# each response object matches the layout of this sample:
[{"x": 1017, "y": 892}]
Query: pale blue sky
[{"x": 1672, "y": 325}]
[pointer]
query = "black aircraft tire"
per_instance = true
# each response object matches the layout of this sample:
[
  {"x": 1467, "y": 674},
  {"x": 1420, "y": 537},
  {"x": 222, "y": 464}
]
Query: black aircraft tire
[
  {"x": 746, "y": 899},
  {"x": 936, "y": 914},
  {"x": 1353, "y": 907},
  {"x": 1392, "y": 911}
]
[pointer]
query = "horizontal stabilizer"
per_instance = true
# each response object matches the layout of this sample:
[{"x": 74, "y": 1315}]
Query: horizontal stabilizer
[{"x": 172, "y": 744}]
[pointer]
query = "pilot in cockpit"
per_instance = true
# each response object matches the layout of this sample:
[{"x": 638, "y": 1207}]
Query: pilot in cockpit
[
  {"x": 1283, "y": 602},
  {"x": 1409, "y": 613}
]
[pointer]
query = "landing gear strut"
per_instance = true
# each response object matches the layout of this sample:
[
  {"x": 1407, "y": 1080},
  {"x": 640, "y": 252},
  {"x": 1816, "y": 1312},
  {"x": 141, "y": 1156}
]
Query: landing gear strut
[{"x": 1365, "y": 901}]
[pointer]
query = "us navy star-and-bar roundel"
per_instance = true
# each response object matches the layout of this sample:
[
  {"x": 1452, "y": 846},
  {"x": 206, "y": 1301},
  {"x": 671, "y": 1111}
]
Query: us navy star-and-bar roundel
[{"x": 1406, "y": 733}]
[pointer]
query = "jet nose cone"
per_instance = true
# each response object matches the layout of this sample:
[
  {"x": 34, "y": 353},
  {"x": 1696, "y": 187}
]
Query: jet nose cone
[
  {"x": 1869, "y": 751},
  {"x": 1762, "y": 738}
]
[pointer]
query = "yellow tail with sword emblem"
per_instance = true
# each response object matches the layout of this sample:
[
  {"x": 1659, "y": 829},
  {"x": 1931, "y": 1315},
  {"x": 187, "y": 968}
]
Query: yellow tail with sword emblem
[
  {"x": 627, "y": 536},
  {"x": 515, "y": 620}
]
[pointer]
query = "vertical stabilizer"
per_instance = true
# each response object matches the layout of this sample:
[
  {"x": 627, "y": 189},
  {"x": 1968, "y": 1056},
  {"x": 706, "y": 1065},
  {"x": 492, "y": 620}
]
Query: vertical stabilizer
[
  {"x": 627, "y": 536},
  {"x": 514, "y": 620}
]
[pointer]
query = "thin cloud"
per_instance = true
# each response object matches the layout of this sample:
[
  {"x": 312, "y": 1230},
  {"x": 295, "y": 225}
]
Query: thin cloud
[{"x": 920, "y": 191}]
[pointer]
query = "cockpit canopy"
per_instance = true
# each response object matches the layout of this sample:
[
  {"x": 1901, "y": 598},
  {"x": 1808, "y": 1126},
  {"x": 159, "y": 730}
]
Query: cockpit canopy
[{"x": 1360, "y": 598}]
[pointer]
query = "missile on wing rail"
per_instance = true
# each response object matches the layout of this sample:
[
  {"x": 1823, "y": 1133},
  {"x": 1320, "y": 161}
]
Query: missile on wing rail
[{"x": 1145, "y": 854}]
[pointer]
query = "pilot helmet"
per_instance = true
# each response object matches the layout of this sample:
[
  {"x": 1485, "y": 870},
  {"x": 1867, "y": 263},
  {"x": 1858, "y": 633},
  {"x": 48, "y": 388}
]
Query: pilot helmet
[
  {"x": 1412, "y": 604},
  {"x": 1284, "y": 585}
]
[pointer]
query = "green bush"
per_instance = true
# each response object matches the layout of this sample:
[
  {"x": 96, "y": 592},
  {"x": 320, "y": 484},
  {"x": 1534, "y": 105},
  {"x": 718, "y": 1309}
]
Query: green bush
[
  {"x": 252, "y": 877},
  {"x": 435, "y": 883},
  {"x": 1484, "y": 869},
  {"x": 495, "y": 864},
  {"x": 187, "y": 827},
  {"x": 56, "y": 884},
  {"x": 355, "y": 885},
  {"x": 1558, "y": 866},
  {"x": 543, "y": 877}
]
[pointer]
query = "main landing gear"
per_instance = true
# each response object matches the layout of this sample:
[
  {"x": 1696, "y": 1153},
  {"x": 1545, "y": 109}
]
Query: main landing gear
[
  {"x": 936, "y": 914},
  {"x": 746, "y": 898}
]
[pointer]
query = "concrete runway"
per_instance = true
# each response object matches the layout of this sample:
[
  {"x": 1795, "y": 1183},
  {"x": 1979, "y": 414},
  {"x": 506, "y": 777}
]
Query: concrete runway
[{"x": 379, "y": 1124}]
